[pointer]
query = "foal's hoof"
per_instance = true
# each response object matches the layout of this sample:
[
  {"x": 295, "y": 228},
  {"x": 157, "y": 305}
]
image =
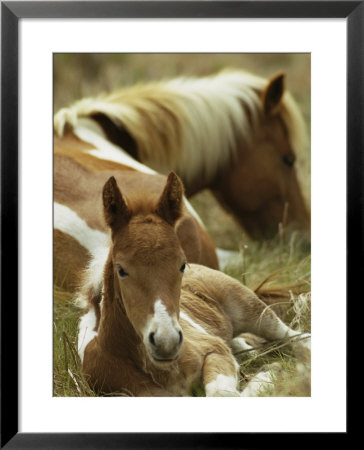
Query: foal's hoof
[
  {"x": 222, "y": 386},
  {"x": 262, "y": 382},
  {"x": 303, "y": 342}
]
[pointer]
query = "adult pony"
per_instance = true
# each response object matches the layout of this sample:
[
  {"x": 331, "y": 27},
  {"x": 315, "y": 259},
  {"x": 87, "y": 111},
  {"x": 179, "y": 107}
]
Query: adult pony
[
  {"x": 154, "y": 325},
  {"x": 237, "y": 134},
  {"x": 80, "y": 170}
]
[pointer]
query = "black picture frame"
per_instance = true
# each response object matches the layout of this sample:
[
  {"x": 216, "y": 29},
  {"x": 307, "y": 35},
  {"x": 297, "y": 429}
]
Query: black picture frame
[{"x": 11, "y": 13}]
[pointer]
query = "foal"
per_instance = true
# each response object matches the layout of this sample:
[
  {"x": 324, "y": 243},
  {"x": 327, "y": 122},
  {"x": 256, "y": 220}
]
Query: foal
[{"x": 156, "y": 326}]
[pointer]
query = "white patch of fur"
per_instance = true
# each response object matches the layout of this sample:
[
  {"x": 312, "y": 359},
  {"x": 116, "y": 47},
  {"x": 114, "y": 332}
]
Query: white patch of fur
[
  {"x": 161, "y": 323},
  {"x": 222, "y": 386},
  {"x": 92, "y": 278},
  {"x": 86, "y": 332},
  {"x": 161, "y": 315},
  {"x": 284, "y": 331},
  {"x": 70, "y": 223},
  {"x": 96, "y": 242},
  {"x": 303, "y": 339},
  {"x": 188, "y": 319},
  {"x": 239, "y": 344},
  {"x": 258, "y": 384}
]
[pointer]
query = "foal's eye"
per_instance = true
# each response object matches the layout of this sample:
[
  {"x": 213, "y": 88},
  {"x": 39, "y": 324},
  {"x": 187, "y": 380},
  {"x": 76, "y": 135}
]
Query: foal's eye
[
  {"x": 288, "y": 160},
  {"x": 182, "y": 268},
  {"x": 122, "y": 273}
]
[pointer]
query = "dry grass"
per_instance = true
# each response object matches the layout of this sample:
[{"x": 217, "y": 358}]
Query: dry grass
[
  {"x": 287, "y": 256},
  {"x": 67, "y": 378},
  {"x": 284, "y": 271}
]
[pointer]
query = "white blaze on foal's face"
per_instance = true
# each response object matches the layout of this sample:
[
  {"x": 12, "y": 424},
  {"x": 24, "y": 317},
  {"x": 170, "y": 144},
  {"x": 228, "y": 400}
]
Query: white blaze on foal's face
[{"x": 162, "y": 335}]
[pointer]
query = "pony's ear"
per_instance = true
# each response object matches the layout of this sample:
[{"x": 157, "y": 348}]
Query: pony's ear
[
  {"x": 189, "y": 239},
  {"x": 169, "y": 205},
  {"x": 116, "y": 211},
  {"x": 272, "y": 94}
]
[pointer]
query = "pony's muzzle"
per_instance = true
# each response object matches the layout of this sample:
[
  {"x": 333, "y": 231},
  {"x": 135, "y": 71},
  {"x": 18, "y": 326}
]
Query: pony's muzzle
[
  {"x": 165, "y": 346},
  {"x": 162, "y": 335}
]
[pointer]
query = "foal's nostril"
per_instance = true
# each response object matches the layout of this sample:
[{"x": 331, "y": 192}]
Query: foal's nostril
[
  {"x": 165, "y": 346},
  {"x": 151, "y": 339}
]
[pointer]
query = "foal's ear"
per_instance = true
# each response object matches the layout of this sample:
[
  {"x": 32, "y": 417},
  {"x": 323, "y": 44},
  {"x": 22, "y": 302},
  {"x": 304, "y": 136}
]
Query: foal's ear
[
  {"x": 169, "y": 205},
  {"x": 116, "y": 211},
  {"x": 273, "y": 93}
]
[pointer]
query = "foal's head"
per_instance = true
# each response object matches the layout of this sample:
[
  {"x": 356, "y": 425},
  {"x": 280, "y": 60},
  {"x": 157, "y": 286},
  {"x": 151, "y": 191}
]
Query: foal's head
[{"x": 148, "y": 264}]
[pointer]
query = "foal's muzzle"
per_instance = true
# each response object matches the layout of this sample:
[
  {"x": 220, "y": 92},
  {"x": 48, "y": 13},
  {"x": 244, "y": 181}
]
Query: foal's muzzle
[
  {"x": 164, "y": 349},
  {"x": 162, "y": 335}
]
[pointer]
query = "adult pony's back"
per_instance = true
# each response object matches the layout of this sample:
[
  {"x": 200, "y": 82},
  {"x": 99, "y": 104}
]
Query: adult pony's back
[{"x": 235, "y": 133}]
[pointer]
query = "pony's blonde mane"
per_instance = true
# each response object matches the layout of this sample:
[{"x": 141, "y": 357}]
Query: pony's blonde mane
[{"x": 188, "y": 124}]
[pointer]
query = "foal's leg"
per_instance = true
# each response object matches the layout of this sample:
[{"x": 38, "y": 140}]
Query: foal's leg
[
  {"x": 245, "y": 310},
  {"x": 220, "y": 372},
  {"x": 249, "y": 314}
]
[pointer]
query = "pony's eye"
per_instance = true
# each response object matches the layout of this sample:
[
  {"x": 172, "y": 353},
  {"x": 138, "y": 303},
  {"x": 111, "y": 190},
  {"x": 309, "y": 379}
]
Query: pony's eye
[
  {"x": 288, "y": 160},
  {"x": 182, "y": 269},
  {"x": 122, "y": 273}
]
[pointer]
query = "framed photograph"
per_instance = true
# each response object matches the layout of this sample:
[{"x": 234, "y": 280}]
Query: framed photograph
[{"x": 51, "y": 52}]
